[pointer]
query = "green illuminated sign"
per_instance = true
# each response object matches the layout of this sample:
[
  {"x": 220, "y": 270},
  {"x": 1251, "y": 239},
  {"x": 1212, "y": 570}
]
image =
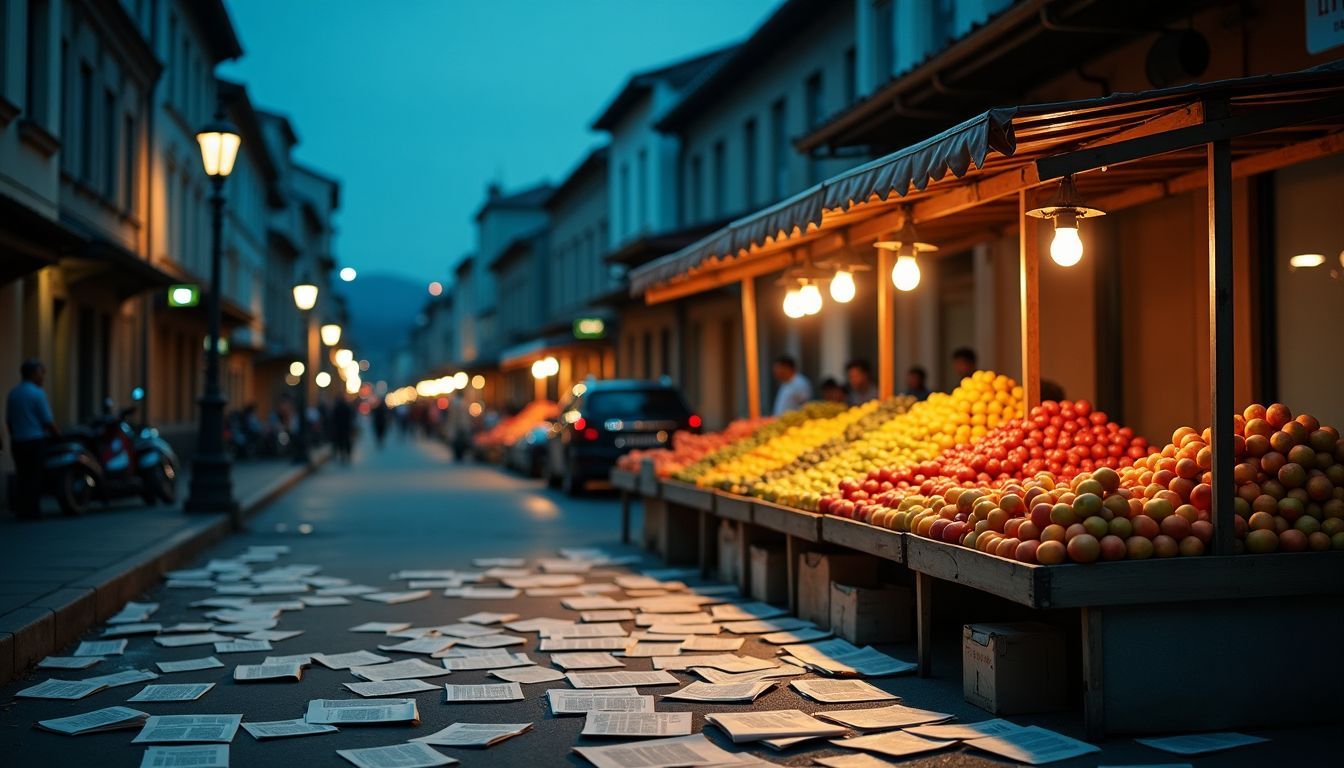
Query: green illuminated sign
[
  {"x": 589, "y": 328},
  {"x": 184, "y": 295}
]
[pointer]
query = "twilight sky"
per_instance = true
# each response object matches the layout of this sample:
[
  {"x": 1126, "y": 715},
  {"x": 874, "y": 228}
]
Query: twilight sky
[{"x": 415, "y": 105}]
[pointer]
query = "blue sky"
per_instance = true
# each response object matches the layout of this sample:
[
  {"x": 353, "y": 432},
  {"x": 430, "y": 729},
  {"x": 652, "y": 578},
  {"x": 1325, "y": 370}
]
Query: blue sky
[{"x": 417, "y": 104}]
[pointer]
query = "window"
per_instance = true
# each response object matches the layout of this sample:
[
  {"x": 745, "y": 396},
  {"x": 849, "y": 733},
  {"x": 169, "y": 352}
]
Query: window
[
  {"x": 720, "y": 179},
  {"x": 695, "y": 188},
  {"x": 128, "y": 160},
  {"x": 884, "y": 34},
  {"x": 851, "y": 93},
  {"x": 85, "y": 122},
  {"x": 625, "y": 198},
  {"x": 642, "y": 171},
  {"x": 38, "y": 77},
  {"x": 108, "y": 123},
  {"x": 779, "y": 149},
  {"x": 815, "y": 111},
  {"x": 749, "y": 169}
]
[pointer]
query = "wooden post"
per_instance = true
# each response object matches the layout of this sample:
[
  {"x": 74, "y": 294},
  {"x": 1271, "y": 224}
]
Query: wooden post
[
  {"x": 750, "y": 348},
  {"x": 924, "y": 623},
  {"x": 1221, "y": 383},
  {"x": 886, "y": 326},
  {"x": 791, "y": 550},
  {"x": 1030, "y": 293},
  {"x": 1094, "y": 699}
]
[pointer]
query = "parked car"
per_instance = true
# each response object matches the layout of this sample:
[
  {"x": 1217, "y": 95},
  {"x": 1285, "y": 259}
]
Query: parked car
[
  {"x": 605, "y": 419},
  {"x": 527, "y": 455}
]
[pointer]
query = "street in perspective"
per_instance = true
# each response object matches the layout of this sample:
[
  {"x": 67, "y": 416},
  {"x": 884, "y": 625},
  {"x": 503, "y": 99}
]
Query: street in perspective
[{"x": 671, "y": 384}]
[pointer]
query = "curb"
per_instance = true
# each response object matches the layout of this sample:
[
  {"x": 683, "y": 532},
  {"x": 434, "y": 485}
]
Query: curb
[{"x": 42, "y": 628}]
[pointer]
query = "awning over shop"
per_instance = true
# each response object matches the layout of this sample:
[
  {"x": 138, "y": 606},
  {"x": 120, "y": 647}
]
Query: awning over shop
[
  {"x": 104, "y": 266},
  {"x": 976, "y": 168},
  {"x": 30, "y": 241}
]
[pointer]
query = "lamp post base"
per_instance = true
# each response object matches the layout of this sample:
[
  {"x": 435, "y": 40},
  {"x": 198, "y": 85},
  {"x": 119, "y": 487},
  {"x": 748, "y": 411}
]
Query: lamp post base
[{"x": 211, "y": 487}]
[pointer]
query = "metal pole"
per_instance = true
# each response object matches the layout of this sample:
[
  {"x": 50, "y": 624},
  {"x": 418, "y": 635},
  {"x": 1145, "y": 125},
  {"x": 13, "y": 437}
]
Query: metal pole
[
  {"x": 301, "y": 434},
  {"x": 751, "y": 347},
  {"x": 886, "y": 326},
  {"x": 211, "y": 486},
  {"x": 1221, "y": 384},
  {"x": 1029, "y": 291}
]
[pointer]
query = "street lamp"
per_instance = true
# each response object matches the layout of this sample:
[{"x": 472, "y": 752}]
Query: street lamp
[
  {"x": 211, "y": 487},
  {"x": 305, "y": 298},
  {"x": 331, "y": 334}
]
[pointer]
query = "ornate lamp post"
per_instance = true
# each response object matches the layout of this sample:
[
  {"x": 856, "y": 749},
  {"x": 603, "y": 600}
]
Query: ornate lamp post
[
  {"x": 211, "y": 488},
  {"x": 305, "y": 298}
]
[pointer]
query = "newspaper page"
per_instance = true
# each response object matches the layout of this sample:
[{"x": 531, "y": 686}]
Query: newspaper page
[
  {"x": 764, "y": 626},
  {"x": 195, "y": 756},
  {"x": 619, "y": 679},
  {"x": 489, "y": 660},
  {"x": 649, "y": 619},
  {"x": 733, "y": 692},
  {"x": 724, "y": 662},
  {"x": 658, "y": 753},
  {"x": 134, "y": 613},
  {"x": 68, "y": 662},
  {"x": 474, "y": 734},
  {"x": 637, "y": 724},
  {"x": 792, "y": 637},
  {"x": 617, "y": 614},
  {"x": 426, "y": 645},
  {"x": 244, "y": 673},
  {"x": 884, "y": 718},
  {"x": 570, "y": 702},
  {"x": 317, "y": 601},
  {"x": 106, "y": 719},
  {"x": 643, "y": 650},
  {"x": 182, "y": 641},
  {"x": 700, "y": 643},
  {"x": 776, "y": 724},
  {"x": 1032, "y": 745},
  {"x": 396, "y": 598},
  {"x": 728, "y": 678},
  {"x": 483, "y": 692},
  {"x": 282, "y": 729},
  {"x": 101, "y": 648},
  {"x": 410, "y": 755},
  {"x": 61, "y": 689},
  {"x": 349, "y": 660},
  {"x": 189, "y": 665},
  {"x": 683, "y": 629},
  {"x": 601, "y": 629},
  {"x": 892, "y": 743},
  {"x": 585, "y": 660},
  {"x": 584, "y": 644},
  {"x": 126, "y": 630},
  {"x": 391, "y": 687},
  {"x": 964, "y": 731},
  {"x": 492, "y": 641},
  {"x": 398, "y": 670},
  {"x": 381, "y": 627},
  {"x": 531, "y": 674},
  {"x": 361, "y": 711},
  {"x": 487, "y": 617},
  {"x": 535, "y": 625},
  {"x": 746, "y": 611},
  {"x": 172, "y": 692},
  {"x": 465, "y": 629},
  {"x": 124, "y": 677},
  {"x": 190, "y": 728},
  {"x": 841, "y": 691}
]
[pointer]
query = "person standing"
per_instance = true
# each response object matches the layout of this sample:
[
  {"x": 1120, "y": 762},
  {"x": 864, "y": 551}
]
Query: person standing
[
  {"x": 342, "y": 428},
  {"x": 794, "y": 388},
  {"x": 459, "y": 427},
  {"x": 380, "y": 416},
  {"x": 963, "y": 364},
  {"x": 862, "y": 388},
  {"x": 28, "y": 416},
  {"x": 917, "y": 383}
]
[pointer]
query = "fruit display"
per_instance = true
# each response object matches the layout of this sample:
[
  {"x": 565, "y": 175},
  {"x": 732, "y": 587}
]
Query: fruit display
[
  {"x": 689, "y": 447},
  {"x": 1289, "y": 498},
  {"x": 692, "y": 472},
  {"x": 511, "y": 429}
]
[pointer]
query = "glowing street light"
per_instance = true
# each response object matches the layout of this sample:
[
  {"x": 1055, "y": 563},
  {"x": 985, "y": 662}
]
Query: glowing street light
[{"x": 331, "y": 334}]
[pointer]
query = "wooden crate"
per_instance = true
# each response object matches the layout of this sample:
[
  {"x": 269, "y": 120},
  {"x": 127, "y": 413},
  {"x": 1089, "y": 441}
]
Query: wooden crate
[
  {"x": 733, "y": 507},
  {"x": 786, "y": 520},
  {"x": 687, "y": 495},
  {"x": 862, "y": 537}
]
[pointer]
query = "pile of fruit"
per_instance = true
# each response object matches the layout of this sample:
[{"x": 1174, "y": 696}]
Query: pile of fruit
[
  {"x": 692, "y": 472},
  {"x": 1290, "y": 497},
  {"x": 508, "y": 431},
  {"x": 689, "y": 447}
]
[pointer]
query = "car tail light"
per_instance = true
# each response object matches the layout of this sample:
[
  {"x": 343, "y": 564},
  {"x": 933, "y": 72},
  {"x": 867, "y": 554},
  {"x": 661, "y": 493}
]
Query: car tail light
[
  {"x": 694, "y": 421},
  {"x": 590, "y": 433},
  {"x": 580, "y": 424}
]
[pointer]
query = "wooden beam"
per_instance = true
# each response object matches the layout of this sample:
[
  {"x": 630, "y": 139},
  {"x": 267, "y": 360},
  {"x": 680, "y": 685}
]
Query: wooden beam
[
  {"x": 1184, "y": 116},
  {"x": 708, "y": 279},
  {"x": 750, "y": 348},
  {"x": 1221, "y": 380},
  {"x": 1030, "y": 296},
  {"x": 886, "y": 326}
]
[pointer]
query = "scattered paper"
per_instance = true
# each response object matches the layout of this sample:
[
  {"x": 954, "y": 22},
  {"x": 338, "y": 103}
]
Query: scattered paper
[
  {"x": 134, "y": 613},
  {"x": 398, "y": 670},
  {"x": 804, "y": 635},
  {"x": 892, "y": 743},
  {"x": 97, "y": 721},
  {"x": 884, "y": 718},
  {"x": 762, "y": 626},
  {"x": 409, "y": 755},
  {"x": 203, "y": 756},
  {"x": 381, "y": 627},
  {"x": 531, "y": 674},
  {"x": 700, "y": 643},
  {"x": 318, "y": 601},
  {"x": 619, "y": 614},
  {"x": 841, "y": 691},
  {"x": 390, "y": 687},
  {"x": 361, "y": 711},
  {"x": 1200, "y": 743},
  {"x": 777, "y": 724},
  {"x": 426, "y": 645},
  {"x": 124, "y": 630},
  {"x": 246, "y": 673},
  {"x": 348, "y": 660},
  {"x": 124, "y": 677},
  {"x": 273, "y": 635},
  {"x": 172, "y": 692},
  {"x": 302, "y": 659},
  {"x": 733, "y": 692},
  {"x": 659, "y": 753},
  {"x": 637, "y": 724},
  {"x": 280, "y": 729},
  {"x": 491, "y": 659},
  {"x": 182, "y": 641},
  {"x": 570, "y": 702},
  {"x": 484, "y": 692},
  {"x": 726, "y": 662},
  {"x": 68, "y": 662},
  {"x": 243, "y": 646},
  {"x": 487, "y": 593},
  {"x": 584, "y": 644},
  {"x": 718, "y": 677},
  {"x": 189, "y": 665},
  {"x": 61, "y": 689},
  {"x": 486, "y": 617},
  {"x": 839, "y": 657},
  {"x": 585, "y": 660},
  {"x": 465, "y": 629},
  {"x": 642, "y": 650},
  {"x": 619, "y": 679},
  {"x": 746, "y": 611},
  {"x": 536, "y": 625},
  {"x": 189, "y": 728},
  {"x": 492, "y": 641},
  {"x": 101, "y": 648},
  {"x": 963, "y": 731},
  {"x": 396, "y": 598},
  {"x": 499, "y": 562},
  {"x": 474, "y": 734},
  {"x": 1033, "y": 745}
]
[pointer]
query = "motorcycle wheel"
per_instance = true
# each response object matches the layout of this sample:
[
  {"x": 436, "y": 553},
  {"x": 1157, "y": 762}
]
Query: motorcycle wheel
[
  {"x": 74, "y": 492},
  {"x": 165, "y": 483}
]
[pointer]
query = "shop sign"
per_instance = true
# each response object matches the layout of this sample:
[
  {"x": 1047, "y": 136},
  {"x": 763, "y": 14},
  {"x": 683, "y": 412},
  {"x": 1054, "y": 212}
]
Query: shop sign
[
  {"x": 184, "y": 295},
  {"x": 1325, "y": 25},
  {"x": 590, "y": 328}
]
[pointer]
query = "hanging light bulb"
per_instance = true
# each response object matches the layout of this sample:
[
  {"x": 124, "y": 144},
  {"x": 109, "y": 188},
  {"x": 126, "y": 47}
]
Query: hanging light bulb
[
  {"x": 905, "y": 275},
  {"x": 793, "y": 304},
  {"x": 842, "y": 286},
  {"x": 809, "y": 297},
  {"x": 1066, "y": 249}
]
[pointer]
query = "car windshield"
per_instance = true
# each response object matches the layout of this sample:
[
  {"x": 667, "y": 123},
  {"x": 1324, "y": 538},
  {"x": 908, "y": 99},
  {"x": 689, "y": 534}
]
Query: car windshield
[{"x": 635, "y": 404}]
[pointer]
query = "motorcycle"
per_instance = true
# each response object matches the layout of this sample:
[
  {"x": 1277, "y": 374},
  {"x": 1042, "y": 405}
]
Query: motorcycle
[{"x": 111, "y": 459}]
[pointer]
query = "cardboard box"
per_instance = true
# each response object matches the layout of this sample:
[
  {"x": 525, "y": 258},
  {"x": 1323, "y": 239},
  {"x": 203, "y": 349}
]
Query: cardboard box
[
  {"x": 730, "y": 567},
  {"x": 769, "y": 575},
  {"x": 865, "y": 615},
  {"x": 1013, "y": 669},
  {"x": 816, "y": 571}
]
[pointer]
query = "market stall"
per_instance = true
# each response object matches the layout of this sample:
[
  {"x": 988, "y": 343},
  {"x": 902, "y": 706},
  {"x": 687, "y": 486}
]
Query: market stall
[{"x": 988, "y": 177}]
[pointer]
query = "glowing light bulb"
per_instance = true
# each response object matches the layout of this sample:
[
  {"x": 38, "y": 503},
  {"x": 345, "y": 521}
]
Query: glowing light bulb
[
  {"x": 905, "y": 274},
  {"x": 1066, "y": 249},
  {"x": 793, "y": 304},
  {"x": 296, "y": 368},
  {"x": 809, "y": 297},
  {"x": 842, "y": 287}
]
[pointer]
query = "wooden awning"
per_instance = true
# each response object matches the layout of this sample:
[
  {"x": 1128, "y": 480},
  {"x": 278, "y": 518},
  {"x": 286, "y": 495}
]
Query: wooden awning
[{"x": 975, "y": 170}]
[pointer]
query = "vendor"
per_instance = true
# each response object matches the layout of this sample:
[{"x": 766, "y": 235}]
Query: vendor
[
  {"x": 862, "y": 388},
  {"x": 794, "y": 388}
]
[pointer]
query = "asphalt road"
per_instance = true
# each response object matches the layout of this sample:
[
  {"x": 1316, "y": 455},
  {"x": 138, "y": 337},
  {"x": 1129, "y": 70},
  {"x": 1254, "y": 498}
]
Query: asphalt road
[{"x": 408, "y": 507}]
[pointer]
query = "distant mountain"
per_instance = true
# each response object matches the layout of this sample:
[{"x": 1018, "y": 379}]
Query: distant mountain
[{"x": 383, "y": 309}]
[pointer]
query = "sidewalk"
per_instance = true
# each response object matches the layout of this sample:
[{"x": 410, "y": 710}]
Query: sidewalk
[{"x": 60, "y": 575}]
